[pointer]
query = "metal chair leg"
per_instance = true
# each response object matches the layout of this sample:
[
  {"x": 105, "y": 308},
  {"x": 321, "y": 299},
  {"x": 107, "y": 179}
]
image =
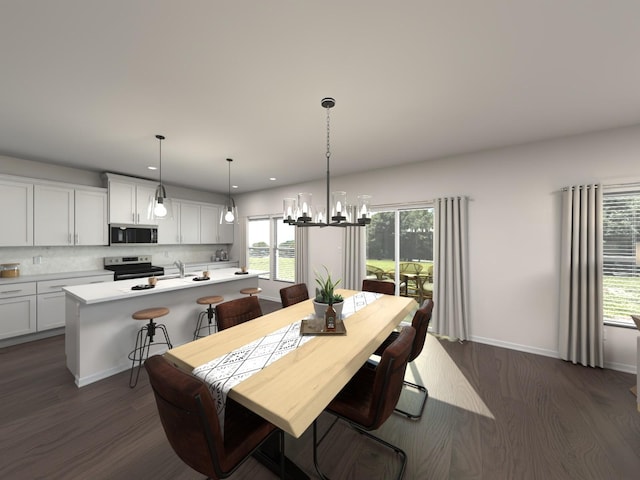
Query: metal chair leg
[
  {"x": 425, "y": 395},
  {"x": 140, "y": 352},
  {"x": 398, "y": 450}
]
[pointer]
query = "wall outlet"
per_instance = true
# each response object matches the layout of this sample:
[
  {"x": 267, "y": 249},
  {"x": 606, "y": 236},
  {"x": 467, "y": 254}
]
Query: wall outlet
[
  {"x": 166, "y": 254},
  {"x": 37, "y": 260}
]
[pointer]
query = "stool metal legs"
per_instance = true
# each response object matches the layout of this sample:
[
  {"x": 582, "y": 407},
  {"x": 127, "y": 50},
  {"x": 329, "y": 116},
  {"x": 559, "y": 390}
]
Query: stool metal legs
[
  {"x": 140, "y": 353},
  {"x": 209, "y": 313}
]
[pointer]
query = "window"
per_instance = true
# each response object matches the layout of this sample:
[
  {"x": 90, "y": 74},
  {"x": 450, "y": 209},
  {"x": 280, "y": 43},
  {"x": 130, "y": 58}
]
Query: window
[
  {"x": 621, "y": 279},
  {"x": 271, "y": 247},
  {"x": 388, "y": 252}
]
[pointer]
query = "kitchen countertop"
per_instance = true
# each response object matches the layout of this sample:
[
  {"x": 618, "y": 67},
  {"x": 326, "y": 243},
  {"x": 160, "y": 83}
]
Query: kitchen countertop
[
  {"x": 106, "y": 292},
  {"x": 53, "y": 276}
]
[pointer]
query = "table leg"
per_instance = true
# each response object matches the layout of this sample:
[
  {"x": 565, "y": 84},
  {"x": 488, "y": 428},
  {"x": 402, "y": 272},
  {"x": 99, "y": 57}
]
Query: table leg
[{"x": 269, "y": 455}]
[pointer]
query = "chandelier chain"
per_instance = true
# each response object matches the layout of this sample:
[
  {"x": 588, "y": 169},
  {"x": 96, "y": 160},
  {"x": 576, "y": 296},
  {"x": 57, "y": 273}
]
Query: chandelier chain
[{"x": 328, "y": 134}]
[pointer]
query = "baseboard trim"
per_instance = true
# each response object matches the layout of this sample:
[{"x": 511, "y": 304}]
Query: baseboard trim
[{"x": 621, "y": 367}]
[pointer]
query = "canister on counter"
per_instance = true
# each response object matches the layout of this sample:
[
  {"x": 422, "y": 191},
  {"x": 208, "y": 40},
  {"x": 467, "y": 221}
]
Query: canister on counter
[{"x": 9, "y": 270}]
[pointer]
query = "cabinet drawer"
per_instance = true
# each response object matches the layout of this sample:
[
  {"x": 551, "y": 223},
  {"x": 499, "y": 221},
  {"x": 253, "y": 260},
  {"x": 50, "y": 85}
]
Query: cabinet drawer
[
  {"x": 9, "y": 290},
  {"x": 52, "y": 286}
]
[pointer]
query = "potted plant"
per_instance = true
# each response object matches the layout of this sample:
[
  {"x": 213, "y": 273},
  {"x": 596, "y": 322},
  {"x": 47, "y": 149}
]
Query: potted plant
[{"x": 325, "y": 295}]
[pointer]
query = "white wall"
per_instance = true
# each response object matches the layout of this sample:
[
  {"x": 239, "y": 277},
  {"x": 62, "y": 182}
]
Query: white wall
[{"x": 514, "y": 217}]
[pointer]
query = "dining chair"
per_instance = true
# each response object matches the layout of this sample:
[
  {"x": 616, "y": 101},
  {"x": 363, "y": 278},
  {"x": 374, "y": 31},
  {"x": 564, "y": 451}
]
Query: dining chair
[
  {"x": 239, "y": 310},
  {"x": 294, "y": 294},
  {"x": 370, "y": 397},
  {"x": 190, "y": 421},
  {"x": 379, "y": 286},
  {"x": 420, "y": 323}
]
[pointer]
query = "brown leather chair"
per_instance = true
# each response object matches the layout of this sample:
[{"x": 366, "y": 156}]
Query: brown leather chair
[
  {"x": 379, "y": 286},
  {"x": 231, "y": 313},
  {"x": 420, "y": 323},
  {"x": 294, "y": 294},
  {"x": 370, "y": 397},
  {"x": 190, "y": 421}
]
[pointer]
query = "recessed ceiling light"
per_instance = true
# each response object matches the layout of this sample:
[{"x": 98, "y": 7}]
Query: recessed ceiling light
[
  {"x": 234, "y": 186},
  {"x": 152, "y": 168},
  {"x": 272, "y": 178}
]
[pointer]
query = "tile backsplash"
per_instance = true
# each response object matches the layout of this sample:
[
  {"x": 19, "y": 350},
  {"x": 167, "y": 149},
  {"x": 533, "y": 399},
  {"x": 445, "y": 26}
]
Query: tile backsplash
[{"x": 71, "y": 259}]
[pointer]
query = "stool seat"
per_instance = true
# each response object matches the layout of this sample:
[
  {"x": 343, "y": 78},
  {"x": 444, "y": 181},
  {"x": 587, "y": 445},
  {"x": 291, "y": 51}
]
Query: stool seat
[
  {"x": 210, "y": 300},
  {"x": 251, "y": 291},
  {"x": 149, "y": 313},
  {"x": 211, "y": 326}
]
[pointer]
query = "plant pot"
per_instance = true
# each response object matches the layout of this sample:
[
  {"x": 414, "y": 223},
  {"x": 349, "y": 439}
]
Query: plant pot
[{"x": 320, "y": 308}]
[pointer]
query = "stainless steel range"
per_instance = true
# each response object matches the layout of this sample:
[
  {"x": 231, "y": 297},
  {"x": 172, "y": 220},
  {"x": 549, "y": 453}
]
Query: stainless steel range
[{"x": 138, "y": 266}]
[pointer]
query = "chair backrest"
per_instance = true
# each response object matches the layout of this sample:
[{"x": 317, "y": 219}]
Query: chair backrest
[
  {"x": 231, "y": 313},
  {"x": 294, "y": 294},
  {"x": 188, "y": 416},
  {"x": 379, "y": 286},
  {"x": 376, "y": 271},
  {"x": 387, "y": 384},
  {"x": 410, "y": 267},
  {"x": 420, "y": 323}
]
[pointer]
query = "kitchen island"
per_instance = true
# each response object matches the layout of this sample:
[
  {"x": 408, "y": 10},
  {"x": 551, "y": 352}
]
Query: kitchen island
[{"x": 100, "y": 332}]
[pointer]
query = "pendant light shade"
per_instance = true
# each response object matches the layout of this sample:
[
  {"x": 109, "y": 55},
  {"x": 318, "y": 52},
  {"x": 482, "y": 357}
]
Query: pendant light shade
[
  {"x": 160, "y": 206},
  {"x": 230, "y": 212}
]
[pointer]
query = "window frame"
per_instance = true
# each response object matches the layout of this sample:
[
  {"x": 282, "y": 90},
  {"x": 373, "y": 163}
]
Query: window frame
[
  {"x": 274, "y": 250},
  {"x": 625, "y": 261}
]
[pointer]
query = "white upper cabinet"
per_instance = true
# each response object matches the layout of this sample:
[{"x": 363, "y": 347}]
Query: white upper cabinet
[
  {"x": 16, "y": 216},
  {"x": 189, "y": 223},
  {"x": 69, "y": 216},
  {"x": 169, "y": 228},
  {"x": 129, "y": 201},
  {"x": 209, "y": 219},
  {"x": 91, "y": 218},
  {"x": 53, "y": 215}
]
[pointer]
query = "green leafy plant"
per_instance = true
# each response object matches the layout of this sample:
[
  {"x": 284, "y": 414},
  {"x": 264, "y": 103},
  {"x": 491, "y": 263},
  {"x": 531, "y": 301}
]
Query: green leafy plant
[{"x": 325, "y": 290}]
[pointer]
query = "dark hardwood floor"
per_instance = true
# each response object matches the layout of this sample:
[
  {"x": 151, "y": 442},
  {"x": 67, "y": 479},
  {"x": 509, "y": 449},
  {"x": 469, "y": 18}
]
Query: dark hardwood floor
[{"x": 492, "y": 414}]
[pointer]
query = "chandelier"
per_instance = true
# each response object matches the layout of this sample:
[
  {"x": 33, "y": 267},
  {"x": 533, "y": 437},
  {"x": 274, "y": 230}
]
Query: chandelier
[{"x": 300, "y": 212}]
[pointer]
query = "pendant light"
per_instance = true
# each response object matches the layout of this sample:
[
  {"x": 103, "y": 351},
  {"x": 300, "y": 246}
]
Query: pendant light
[
  {"x": 230, "y": 212},
  {"x": 338, "y": 213},
  {"x": 160, "y": 207}
]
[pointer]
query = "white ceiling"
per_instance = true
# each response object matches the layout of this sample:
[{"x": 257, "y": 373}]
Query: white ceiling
[{"x": 89, "y": 83}]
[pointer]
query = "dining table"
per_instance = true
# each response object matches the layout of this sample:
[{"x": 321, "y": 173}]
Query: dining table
[{"x": 295, "y": 389}]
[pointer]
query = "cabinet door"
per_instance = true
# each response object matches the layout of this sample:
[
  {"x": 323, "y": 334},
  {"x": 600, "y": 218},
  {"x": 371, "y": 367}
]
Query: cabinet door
[
  {"x": 209, "y": 218},
  {"x": 52, "y": 215},
  {"x": 91, "y": 218},
  {"x": 51, "y": 311},
  {"x": 122, "y": 202},
  {"x": 144, "y": 196},
  {"x": 190, "y": 223},
  {"x": 17, "y": 221},
  {"x": 169, "y": 228},
  {"x": 17, "y": 316}
]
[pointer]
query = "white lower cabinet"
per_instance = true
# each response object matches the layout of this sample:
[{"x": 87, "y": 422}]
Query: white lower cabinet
[
  {"x": 17, "y": 309},
  {"x": 51, "y": 299}
]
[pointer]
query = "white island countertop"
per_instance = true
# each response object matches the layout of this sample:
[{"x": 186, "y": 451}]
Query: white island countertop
[{"x": 120, "y": 290}]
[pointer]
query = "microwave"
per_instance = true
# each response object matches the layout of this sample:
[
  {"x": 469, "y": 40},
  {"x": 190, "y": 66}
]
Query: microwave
[{"x": 132, "y": 234}]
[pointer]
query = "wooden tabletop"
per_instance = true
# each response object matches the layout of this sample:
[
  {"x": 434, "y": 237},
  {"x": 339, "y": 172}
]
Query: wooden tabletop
[{"x": 295, "y": 389}]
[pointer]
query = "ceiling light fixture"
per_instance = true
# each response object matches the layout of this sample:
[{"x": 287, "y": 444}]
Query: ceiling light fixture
[
  {"x": 230, "y": 212},
  {"x": 160, "y": 206},
  {"x": 301, "y": 212}
]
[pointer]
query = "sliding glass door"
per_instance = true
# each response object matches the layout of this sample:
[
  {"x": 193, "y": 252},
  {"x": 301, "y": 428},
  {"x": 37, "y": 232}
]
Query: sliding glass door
[{"x": 400, "y": 249}]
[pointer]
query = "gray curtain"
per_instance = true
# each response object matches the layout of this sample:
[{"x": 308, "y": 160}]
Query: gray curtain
[
  {"x": 353, "y": 258},
  {"x": 450, "y": 269},
  {"x": 580, "y": 335},
  {"x": 302, "y": 254}
]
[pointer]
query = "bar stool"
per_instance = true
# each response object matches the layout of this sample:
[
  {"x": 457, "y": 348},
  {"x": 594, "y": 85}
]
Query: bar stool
[
  {"x": 144, "y": 339},
  {"x": 251, "y": 291},
  {"x": 209, "y": 313}
]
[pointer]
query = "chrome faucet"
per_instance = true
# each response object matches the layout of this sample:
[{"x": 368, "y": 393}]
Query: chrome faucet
[{"x": 180, "y": 266}]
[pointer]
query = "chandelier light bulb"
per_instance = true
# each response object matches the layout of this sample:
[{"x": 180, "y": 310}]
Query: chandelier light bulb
[
  {"x": 159, "y": 210},
  {"x": 228, "y": 217}
]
